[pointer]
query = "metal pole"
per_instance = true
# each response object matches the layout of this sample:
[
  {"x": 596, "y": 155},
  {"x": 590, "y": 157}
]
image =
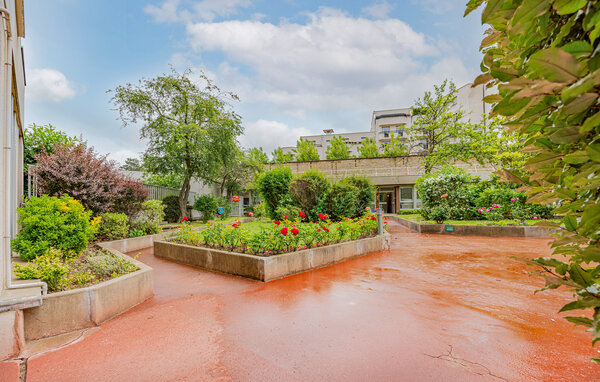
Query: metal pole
[{"x": 380, "y": 221}]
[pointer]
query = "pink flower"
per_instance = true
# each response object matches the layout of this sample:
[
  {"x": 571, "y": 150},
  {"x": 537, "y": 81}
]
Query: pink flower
[
  {"x": 512, "y": 199},
  {"x": 535, "y": 218},
  {"x": 517, "y": 198},
  {"x": 250, "y": 213},
  {"x": 284, "y": 217},
  {"x": 480, "y": 210},
  {"x": 488, "y": 210}
]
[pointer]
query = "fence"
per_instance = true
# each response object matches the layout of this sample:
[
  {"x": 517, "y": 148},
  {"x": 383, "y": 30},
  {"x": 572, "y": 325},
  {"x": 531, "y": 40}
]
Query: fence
[{"x": 159, "y": 192}]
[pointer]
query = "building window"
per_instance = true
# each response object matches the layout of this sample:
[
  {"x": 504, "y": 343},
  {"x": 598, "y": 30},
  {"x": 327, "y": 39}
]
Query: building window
[{"x": 386, "y": 131}]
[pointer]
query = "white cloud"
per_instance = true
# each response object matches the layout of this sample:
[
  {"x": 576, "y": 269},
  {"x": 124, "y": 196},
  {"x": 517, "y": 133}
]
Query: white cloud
[
  {"x": 121, "y": 155},
  {"x": 271, "y": 134},
  {"x": 207, "y": 10},
  {"x": 334, "y": 62},
  {"x": 379, "y": 10},
  {"x": 49, "y": 85}
]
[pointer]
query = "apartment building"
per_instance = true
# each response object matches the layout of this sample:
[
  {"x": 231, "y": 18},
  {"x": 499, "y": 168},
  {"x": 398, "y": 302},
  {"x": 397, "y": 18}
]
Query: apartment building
[
  {"x": 396, "y": 121},
  {"x": 14, "y": 296}
]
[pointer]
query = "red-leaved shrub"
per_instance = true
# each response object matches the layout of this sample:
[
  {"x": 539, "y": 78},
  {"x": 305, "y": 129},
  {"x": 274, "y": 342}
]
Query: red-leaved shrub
[{"x": 80, "y": 172}]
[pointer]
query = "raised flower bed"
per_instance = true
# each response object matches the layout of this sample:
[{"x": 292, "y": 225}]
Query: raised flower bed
[{"x": 268, "y": 251}]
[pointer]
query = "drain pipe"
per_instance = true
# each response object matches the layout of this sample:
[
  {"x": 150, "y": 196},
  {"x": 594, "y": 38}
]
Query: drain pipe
[{"x": 6, "y": 156}]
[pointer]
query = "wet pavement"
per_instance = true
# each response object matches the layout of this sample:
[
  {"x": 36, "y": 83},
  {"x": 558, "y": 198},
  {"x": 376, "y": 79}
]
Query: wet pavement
[{"x": 433, "y": 308}]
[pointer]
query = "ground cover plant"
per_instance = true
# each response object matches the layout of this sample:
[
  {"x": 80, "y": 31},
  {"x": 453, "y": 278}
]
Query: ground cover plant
[
  {"x": 544, "y": 58},
  {"x": 503, "y": 222},
  {"x": 268, "y": 238}
]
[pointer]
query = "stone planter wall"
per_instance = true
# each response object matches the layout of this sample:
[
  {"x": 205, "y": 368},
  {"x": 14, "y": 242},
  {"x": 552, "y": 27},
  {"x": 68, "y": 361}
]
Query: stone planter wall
[
  {"x": 269, "y": 268},
  {"x": 474, "y": 230}
]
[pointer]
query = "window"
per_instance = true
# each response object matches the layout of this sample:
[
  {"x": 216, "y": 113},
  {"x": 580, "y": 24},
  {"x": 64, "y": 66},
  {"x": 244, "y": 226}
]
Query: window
[
  {"x": 400, "y": 130},
  {"x": 386, "y": 131}
]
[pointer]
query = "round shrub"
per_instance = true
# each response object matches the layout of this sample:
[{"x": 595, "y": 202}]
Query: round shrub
[
  {"x": 366, "y": 193},
  {"x": 309, "y": 191},
  {"x": 149, "y": 218},
  {"x": 171, "y": 203},
  {"x": 342, "y": 201},
  {"x": 438, "y": 214},
  {"x": 113, "y": 226},
  {"x": 207, "y": 206},
  {"x": 48, "y": 221}
]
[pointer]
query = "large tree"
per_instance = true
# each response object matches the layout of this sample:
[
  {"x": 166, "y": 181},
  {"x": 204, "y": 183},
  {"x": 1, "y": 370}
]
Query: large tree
[
  {"x": 306, "y": 151},
  {"x": 395, "y": 147},
  {"x": 39, "y": 139},
  {"x": 280, "y": 157},
  {"x": 368, "y": 149},
  {"x": 180, "y": 113},
  {"x": 338, "y": 148},
  {"x": 544, "y": 58}
]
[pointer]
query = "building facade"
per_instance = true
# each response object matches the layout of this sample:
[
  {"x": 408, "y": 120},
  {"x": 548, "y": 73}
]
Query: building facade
[
  {"x": 384, "y": 123},
  {"x": 14, "y": 295}
]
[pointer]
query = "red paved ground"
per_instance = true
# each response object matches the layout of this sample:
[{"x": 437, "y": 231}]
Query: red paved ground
[{"x": 434, "y": 308}]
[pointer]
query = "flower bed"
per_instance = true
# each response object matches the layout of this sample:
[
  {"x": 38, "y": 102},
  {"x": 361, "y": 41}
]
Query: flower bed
[{"x": 268, "y": 239}]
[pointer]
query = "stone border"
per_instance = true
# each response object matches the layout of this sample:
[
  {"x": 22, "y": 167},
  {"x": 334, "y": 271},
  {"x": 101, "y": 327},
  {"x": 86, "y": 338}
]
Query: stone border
[
  {"x": 474, "y": 230},
  {"x": 268, "y": 268},
  {"x": 63, "y": 312}
]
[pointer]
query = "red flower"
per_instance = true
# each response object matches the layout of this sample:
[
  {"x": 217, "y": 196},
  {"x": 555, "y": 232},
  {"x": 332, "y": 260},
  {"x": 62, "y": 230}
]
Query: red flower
[
  {"x": 321, "y": 216},
  {"x": 284, "y": 231},
  {"x": 302, "y": 214},
  {"x": 444, "y": 196},
  {"x": 284, "y": 217},
  {"x": 235, "y": 198},
  {"x": 277, "y": 222},
  {"x": 295, "y": 231},
  {"x": 325, "y": 229},
  {"x": 250, "y": 213},
  {"x": 185, "y": 218},
  {"x": 326, "y": 216}
]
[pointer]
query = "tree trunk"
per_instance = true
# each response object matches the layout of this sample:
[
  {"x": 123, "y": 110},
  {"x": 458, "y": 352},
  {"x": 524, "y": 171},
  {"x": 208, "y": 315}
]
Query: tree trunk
[{"x": 183, "y": 196}]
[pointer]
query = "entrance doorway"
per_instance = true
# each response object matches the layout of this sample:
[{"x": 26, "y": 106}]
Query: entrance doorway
[{"x": 386, "y": 199}]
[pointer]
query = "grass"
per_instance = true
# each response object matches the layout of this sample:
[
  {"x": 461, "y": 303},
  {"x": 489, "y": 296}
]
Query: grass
[{"x": 506, "y": 222}]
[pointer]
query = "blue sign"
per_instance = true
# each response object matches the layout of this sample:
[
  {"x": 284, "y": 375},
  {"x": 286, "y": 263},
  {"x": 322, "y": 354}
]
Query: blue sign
[{"x": 220, "y": 211}]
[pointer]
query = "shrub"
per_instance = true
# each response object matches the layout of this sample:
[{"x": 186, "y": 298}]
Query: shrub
[
  {"x": 227, "y": 207},
  {"x": 260, "y": 210},
  {"x": 113, "y": 226},
  {"x": 447, "y": 189},
  {"x": 409, "y": 212},
  {"x": 149, "y": 218},
  {"x": 273, "y": 186},
  {"x": 207, "y": 206},
  {"x": 77, "y": 170},
  {"x": 171, "y": 203},
  {"x": 136, "y": 233},
  {"x": 438, "y": 214},
  {"x": 109, "y": 265},
  {"x": 309, "y": 191},
  {"x": 366, "y": 193},
  {"x": 48, "y": 267},
  {"x": 48, "y": 222},
  {"x": 342, "y": 201},
  {"x": 289, "y": 211}
]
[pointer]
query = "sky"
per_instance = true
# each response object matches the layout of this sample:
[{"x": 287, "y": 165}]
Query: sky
[{"x": 299, "y": 67}]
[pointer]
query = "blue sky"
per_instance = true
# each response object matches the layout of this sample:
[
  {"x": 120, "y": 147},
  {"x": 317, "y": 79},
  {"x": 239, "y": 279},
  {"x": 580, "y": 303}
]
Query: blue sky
[{"x": 298, "y": 66}]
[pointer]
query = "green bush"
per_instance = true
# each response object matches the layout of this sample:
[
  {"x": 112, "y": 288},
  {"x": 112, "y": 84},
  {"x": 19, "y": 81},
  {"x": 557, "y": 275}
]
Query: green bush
[
  {"x": 53, "y": 222},
  {"x": 309, "y": 191},
  {"x": 260, "y": 210},
  {"x": 273, "y": 186},
  {"x": 207, "y": 206},
  {"x": 136, "y": 233},
  {"x": 114, "y": 226},
  {"x": 342, "y": 201},
  {"x": 149, "y": 218},
  {"x": 409, "y": 212},
  {"x": 366, "y": 193},
  {"x": 438, "y": 214},
  {"x": 109, "y": 265},
  {"x": 171, "y": 203},
  {"x": 290, "y": 211},
  {"x": 48, "y": 267}
]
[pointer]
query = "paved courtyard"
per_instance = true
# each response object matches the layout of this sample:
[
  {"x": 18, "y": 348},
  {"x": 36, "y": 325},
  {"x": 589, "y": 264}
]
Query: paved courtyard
[{"x": 434, "y": 308}]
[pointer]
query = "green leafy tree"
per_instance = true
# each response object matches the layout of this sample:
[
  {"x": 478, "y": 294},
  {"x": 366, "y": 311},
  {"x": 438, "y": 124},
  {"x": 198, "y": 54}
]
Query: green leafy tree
[
  {"x": 171, "y": 180},
  {"x": 544, "y": 58},
  {"x": 368, "y": 149},
  {"x": 280, "y": 157},
  {"x": 436, "y": 124},
  {"x": 181, "y": 121},
  {"x": 132, "y": 164},
  {"x": 395, "y": 147},
  {"x": 306, "y": 151},
  {"x": 338, "y": 149},
  {"x": 41, "y": 139}
]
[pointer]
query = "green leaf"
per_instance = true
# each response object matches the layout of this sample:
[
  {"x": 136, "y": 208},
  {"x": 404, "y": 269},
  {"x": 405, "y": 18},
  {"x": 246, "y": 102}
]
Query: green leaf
[
  {"x": 586, "y": 84},
  {"x": 589, "y": 302},
  {"x": 565, "y": 135},
  {"x": 596, "y": 360},
  {"x": 570, "y": 222},
  {"x": 555, "y": 65},
  {"x": 580, "y": 104},
  {"x": 527, "y": 12},
  {"x": 583, "y": 321},
  {"x": 578, "y": 157},
  {"x": 590, "y": 123},
  {"x": 491, "y": 10},
  {"x": 508, "y": 106},
  {"x": 593, "y": 151},
  {"x": 492, "y": 98},
  {"x": 472, "y": 5},
  {"x": 591, "y": 218},
  {"x": 578, "y": 48},
  {"x": 580, "y": 276},
  {"x": 565, "y": 7}
]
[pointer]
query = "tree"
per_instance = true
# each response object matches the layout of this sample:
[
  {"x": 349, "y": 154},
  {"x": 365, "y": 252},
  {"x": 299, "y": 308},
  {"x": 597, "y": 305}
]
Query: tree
[
  {"x": 338, "y": 148},
  {"x": 435, "y": 123},
  {"x": 280, "y": 157},
  {"x": 180, "y": 121},
  {"x": 171, "y": 180},
  {"x": 368, "y": 149},
  {"x": 544, "y": 58},
  {"x": 395, "y": 147},
  {"x": 78, "y": 171},
  {"x": 306, "y": 151},
  {"x": 132, "y": 164},
  {"x": 42, "y": 138}
]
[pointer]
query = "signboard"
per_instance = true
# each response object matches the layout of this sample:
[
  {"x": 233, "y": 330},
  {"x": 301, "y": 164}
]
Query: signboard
[{"x": 449, "y": 228}]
